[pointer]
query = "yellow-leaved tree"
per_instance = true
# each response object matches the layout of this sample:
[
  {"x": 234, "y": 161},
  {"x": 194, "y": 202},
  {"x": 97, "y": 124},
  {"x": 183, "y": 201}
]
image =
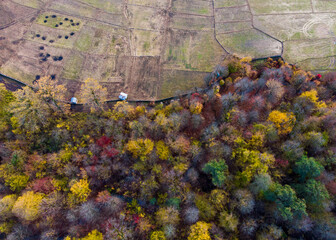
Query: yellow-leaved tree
[
  {"x": 94, "y": 235},
  {"x": 200, "y": 231},
  {"x": 93, "y": 94},
  {"x": 52, "y": 92},
  {"x": 284, "y": 122},
  {"x": 312, "y": 97},
  {"x": 6, "y": 206},
  {"x": 162, "y": 150},
  {"x": 27, "y": 206},
  {"x": 140, "y": 148},
  {"x": 79, "y": 192},
  {"x": 30, "y": 113}
]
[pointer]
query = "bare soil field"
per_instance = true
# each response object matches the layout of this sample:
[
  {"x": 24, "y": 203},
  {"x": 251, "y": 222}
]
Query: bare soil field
[{"x": 154, "y": 49}]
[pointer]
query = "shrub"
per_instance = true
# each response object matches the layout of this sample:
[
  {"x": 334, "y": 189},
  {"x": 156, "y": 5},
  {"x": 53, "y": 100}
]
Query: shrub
[
  {"x": 27, "y": 206},
  {"x": 200, "y": 231},
  {"x": 217, "y": 169},
  {"x": 80, "y": 191}
]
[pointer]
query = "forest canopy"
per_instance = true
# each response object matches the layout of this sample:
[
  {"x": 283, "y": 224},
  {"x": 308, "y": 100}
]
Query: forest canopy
[{"x": 252, "y": 157}]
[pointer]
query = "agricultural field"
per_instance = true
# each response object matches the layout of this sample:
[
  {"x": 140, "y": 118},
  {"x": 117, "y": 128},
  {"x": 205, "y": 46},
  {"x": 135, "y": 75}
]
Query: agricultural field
[{"x": 153, "y": 49}]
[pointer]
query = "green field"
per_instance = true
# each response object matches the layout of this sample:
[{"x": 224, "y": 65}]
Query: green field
[{"x": 132, "y": 45}]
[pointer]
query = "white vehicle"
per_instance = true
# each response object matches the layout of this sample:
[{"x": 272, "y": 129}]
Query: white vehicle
[{"x": 123, "y": 96}]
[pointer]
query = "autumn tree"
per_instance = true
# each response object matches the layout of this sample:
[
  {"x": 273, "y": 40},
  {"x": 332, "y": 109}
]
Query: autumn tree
[
  {"x": 6, "y": 97},
  {"x": 252, "y": 162},
  {"x": 6, "y": 205},
  {"x": 27, "y": 207},
  {"x": 157, "y": 235},
  {"x": 284, "y": 122},
  {"x": 200, "y": 231},
  {"x": 52, "y": 92},
  {"x": 140, "y": 148},
  {"x": 79, "y": 191},
  {"x": 93, "y": 94},
  {"x": 30, "y": 113}
]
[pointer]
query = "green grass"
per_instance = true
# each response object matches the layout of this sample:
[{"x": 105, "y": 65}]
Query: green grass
[
  {"x": 229, "y": 3},
  {"x": 300, "y": 50},
  {"x": 107, "y": 5},
  {"x": 84, "y": 42},
  {"x": 283, "y": 6},
  {"x": 72, "y": 67},
  {"x": 14, "y": 71},
  {"x": 250, "y": 43},
  {"x": 30, "y": 3},
  {"x": 52, "y": 22},
  {"x": 179, "y": 82}
]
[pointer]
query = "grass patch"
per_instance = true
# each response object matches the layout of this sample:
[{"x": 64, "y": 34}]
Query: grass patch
[
  {"x": 72, "y": 67},
  {"x": 177, "y": 82},
  {"x": 30, "y": 3},
  {"x": 84, "y": 42},
  {"x": 58, "y": 21},
  {"x": 283, "y": 6},
  {"x": 108, "y": 6}
]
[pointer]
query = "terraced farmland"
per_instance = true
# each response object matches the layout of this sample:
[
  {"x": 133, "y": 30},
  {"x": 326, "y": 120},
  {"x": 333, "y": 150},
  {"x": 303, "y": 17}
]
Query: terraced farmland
[{"x": 153, "y": 48}]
